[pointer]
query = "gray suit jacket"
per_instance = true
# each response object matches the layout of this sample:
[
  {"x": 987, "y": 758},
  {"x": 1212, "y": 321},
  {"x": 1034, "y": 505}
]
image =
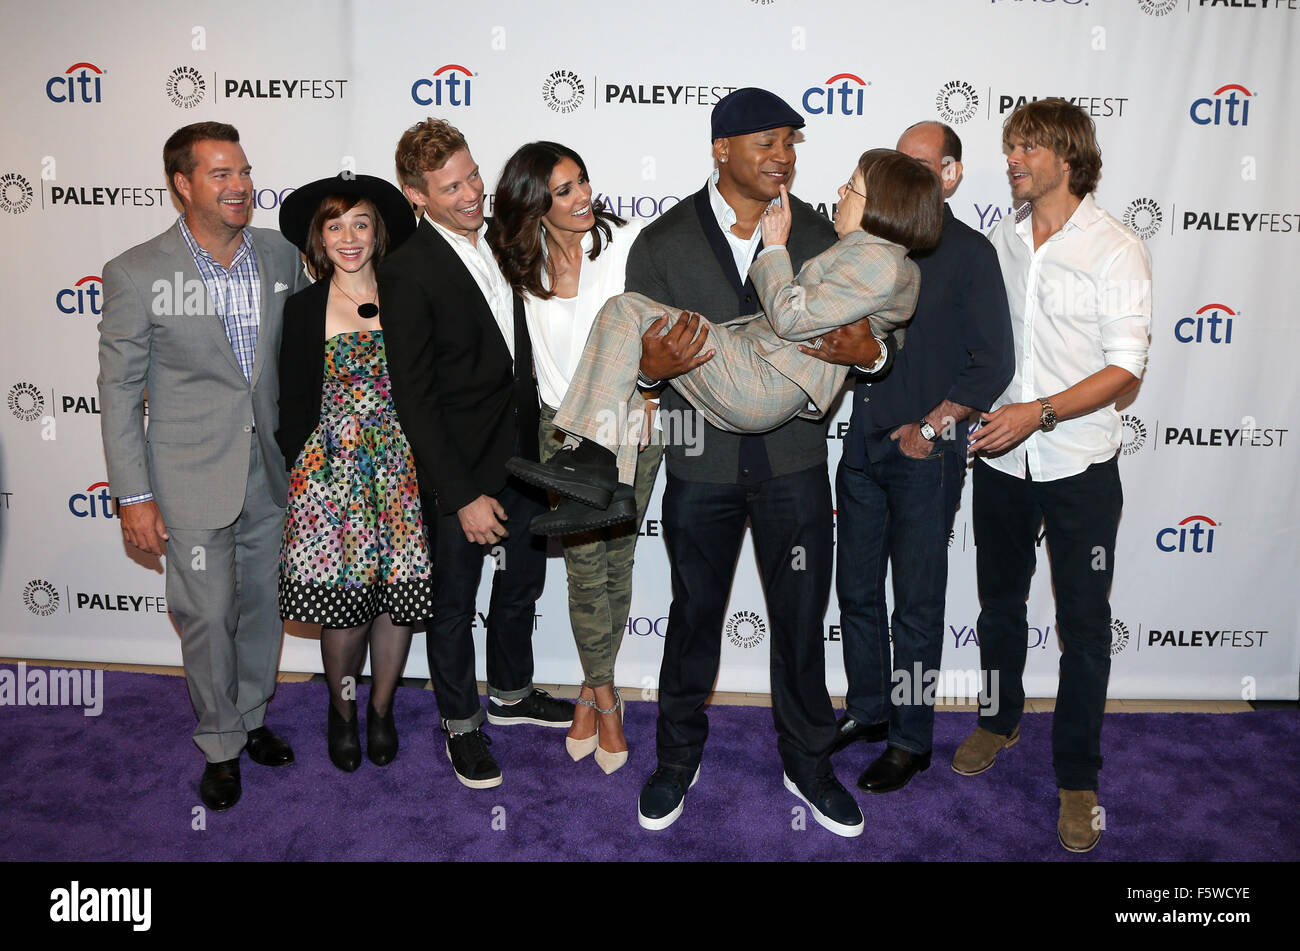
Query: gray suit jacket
[{"x": 161, "y": 336}]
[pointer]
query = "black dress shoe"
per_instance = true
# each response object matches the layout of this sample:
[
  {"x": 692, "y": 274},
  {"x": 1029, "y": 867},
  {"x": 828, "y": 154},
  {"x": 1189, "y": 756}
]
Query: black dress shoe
[
  {"x": 344, "y": 742},
  {"x": 570, "y": 517},
  {"x": 381, "y": 736},
  {"x": 849, "y": 730},
  {"x": 585, "y": 474},
  {"x": 267, "y": 749},
  {"x": 219, "y": 788},
  {"x": 892, "y": 770}
]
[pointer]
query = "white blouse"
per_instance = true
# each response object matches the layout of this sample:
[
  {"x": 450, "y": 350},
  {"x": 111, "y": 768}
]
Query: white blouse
[{"x": 559, "y": 327}]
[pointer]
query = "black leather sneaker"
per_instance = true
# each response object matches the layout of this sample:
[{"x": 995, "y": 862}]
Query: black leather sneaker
[
  {"x": 538, "y": 708},
  {"x": 832, "y": 806},
  {"x": 663, "y": 796},
  {"x": 569, "y": 474},
  {"x": 471, "y": 760},
  {"x": 570, "y": 517}
]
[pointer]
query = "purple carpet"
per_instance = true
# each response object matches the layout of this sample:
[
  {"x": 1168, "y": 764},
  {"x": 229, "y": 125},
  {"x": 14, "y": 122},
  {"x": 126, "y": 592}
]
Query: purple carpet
[{"x": 123, "y": 786}]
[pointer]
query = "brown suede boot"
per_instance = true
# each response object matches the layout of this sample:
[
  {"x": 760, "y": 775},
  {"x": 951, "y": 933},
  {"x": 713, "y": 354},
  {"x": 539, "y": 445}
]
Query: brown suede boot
[
  {"x": 980, "y": 749},
  {"x": 1079, "y": 825}
]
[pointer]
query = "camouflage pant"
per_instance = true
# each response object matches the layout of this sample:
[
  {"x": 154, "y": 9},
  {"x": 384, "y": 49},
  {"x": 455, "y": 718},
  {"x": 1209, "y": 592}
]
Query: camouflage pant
[{"x": 599, "y": 566}]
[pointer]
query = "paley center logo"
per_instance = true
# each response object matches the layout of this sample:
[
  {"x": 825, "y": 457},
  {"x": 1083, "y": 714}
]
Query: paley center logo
[
  {"x": 26, "y": 402},
  {"x": 1194, "y": 534},
  {"x": 1119, "y": 636},
  {"x": 745, "y": 629},
  {"x": 1210, "y": 324},
  {"x": 83, "y": 297},
  {"x": 957, "y": 102},
  {"x": 1210, "y": 110},
  {"x": 15, "y": 193},
  {"x": 450, "y": 86},
  {"x": 41, "y": 597},
  {"x": 842, "y": 95},
  {"x": 1144, "y": 216},
  {"x": 186, "y": 87},
  {"x": 1132, "y": 434},
  {"x": 563, "y": 91},
  {"x": 80, "y": 82}
]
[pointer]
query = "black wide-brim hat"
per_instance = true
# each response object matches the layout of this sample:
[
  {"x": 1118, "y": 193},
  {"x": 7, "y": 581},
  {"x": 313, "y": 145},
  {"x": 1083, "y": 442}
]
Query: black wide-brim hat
[{"x": 297, "y": 210}]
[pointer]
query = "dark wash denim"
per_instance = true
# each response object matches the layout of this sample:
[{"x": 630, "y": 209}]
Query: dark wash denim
[
  {"x": 1081, "y": 515},
  {"x": 900, "y": 510}
]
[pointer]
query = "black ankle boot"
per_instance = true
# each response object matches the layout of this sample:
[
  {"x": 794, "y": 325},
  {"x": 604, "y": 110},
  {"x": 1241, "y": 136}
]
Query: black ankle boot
[
  {"x": 381, "y": 736},
  {"x": 344, "y": 742}
]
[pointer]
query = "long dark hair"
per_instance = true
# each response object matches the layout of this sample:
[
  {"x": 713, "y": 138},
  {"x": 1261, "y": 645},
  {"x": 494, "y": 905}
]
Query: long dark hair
[{"x": 523, "y": 197}]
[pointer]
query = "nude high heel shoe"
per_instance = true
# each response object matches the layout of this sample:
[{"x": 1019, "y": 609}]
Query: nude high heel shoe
[
  {"x": 604, "y": 759},
  {"x": 580, "y": 749}
]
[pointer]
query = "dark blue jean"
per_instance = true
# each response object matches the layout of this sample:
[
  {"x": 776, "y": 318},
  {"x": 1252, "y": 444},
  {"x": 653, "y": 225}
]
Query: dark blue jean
[
  {"x": 704, "y": 524},
  {"x": 898, "y": 511},
  {"x": 1081, "y": 516}
]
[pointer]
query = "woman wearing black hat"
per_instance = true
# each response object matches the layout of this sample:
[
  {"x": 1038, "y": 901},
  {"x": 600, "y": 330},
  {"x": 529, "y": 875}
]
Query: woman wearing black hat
[{"x": 355, "y": 558}]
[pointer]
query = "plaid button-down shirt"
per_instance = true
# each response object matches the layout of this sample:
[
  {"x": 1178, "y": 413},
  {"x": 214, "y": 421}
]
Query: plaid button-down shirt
[{"x": 236, "y": 292}]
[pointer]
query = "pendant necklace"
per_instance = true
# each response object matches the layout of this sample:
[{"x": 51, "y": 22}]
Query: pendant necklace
[{"x": 365, "y": 311}]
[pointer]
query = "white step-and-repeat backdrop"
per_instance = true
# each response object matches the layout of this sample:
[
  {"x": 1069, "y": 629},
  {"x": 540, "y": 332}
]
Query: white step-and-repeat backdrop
[{"x": 1194, "y": 107}]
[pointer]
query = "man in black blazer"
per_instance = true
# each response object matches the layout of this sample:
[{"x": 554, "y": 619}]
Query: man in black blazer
[
  {"x": 776, "y": 481},
  {"x": 461, "y": 368}
]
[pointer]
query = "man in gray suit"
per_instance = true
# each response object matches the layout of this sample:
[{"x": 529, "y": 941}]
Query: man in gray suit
[{"x": 192, "y": 317}]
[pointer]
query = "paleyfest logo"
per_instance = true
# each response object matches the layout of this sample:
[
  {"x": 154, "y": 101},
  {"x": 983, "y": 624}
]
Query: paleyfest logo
[
  {"x": 745, "y": 629},
  {"x": 1133, "y": 434}
]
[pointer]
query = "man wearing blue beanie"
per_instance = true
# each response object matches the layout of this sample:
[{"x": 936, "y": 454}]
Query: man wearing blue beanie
[{"x": 696, "y": 257}]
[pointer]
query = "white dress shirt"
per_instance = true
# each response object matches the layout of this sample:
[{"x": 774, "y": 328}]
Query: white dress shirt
[
  {"x": 1080, "y": 303},
  {"x": 482, "y": 265},
  {"x": 559, "y": 327},
  {"x": 742, "y": 249}
]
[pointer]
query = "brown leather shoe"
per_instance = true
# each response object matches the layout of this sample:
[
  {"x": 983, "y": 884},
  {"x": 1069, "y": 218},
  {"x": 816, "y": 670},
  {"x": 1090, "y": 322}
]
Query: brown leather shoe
[
  {"x": 980, "y": 749},
  {"x": 1079, "y": 825}
]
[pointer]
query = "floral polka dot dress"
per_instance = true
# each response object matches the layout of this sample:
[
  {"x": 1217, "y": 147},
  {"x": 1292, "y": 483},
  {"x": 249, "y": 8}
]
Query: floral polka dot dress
[{"x": 354, "y": 543}]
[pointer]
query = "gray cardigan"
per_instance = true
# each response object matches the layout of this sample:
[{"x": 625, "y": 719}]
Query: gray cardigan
[{"x": 674, "y": 262}]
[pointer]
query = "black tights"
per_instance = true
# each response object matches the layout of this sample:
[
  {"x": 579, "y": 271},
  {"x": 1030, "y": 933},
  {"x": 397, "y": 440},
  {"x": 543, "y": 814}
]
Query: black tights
[{"x": 343, "y": 652}]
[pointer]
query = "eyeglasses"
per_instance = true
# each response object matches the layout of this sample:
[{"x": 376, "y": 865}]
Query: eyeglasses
[{"x": 848, "y": 186}]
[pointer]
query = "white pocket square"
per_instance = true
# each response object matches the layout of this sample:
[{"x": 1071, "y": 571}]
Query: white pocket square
[{"x": 279, "y": 286}]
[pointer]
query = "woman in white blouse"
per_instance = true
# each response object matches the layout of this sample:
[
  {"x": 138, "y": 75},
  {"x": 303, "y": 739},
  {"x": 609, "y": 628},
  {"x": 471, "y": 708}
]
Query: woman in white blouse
[{"x": 566, "y": 256}]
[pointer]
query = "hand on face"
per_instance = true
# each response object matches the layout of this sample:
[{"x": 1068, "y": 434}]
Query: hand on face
[{"x": 776, "y": 220}]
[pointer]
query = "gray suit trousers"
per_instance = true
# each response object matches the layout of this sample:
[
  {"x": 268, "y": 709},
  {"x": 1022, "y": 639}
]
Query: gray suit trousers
[
  {"x": 738, "y": 391},
  {"x": 221, "y": 588}
]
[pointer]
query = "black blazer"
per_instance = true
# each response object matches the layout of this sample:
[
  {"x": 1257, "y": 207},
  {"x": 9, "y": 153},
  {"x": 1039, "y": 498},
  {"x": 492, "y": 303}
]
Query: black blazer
[
  {"x": 302, "y": 369},
  {"x": 465, "y": 409}
]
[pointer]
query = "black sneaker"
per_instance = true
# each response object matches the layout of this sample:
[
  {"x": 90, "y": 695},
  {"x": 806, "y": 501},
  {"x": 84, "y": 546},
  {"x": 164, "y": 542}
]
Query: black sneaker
[
  {"x": 471, "y": 760},
  {"x": 538, "y": 708},
  {"x": 849, "y": 730},
  {"x": 832, "y": 806},
  {"x": 662, "y": 797},
  {"x": 570, "y": 517},
  {"x": 572, "y": 473}
]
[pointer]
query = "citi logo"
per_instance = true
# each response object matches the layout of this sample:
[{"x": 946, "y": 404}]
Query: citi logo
[
  {"x": 83, "y": 297},
  {"x": 1211, "y": 324},
  {"x": 80, "y": 82},
  {"x": 445, "y": 88},
  {"x": 1194, "y": 533},
  {"x": 92, "y": 503},
  {"x": 823, "y": 99},
  {"x": 1210, "y": 111}
]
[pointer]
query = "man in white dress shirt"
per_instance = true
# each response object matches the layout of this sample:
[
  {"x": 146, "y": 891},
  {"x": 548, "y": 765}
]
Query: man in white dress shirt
[{"x": 1079, "y": 287}]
